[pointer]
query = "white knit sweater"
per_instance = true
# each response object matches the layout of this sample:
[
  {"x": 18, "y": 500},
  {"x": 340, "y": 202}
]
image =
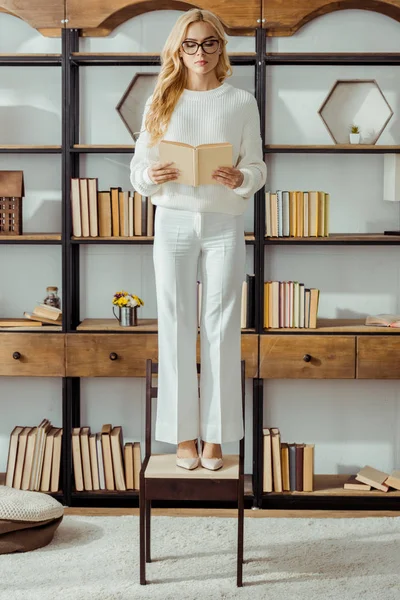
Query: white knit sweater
[{"x": 223, "y": 114}]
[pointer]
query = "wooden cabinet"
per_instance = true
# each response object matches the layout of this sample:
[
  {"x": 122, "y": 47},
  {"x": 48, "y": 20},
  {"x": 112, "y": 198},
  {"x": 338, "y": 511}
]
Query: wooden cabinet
[
  {"x": 378, "y": 357},
  {"x": 125, "y": 355},
  {"x": 32, "y": 355},
  {"x": 307, "y": 356}
]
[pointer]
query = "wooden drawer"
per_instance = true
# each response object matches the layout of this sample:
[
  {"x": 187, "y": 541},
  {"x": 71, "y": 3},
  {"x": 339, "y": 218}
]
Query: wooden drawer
[
  {"x": 307, "y": 357},
  {"x": 93, "y": 355},
  {"x": 378, "y": 357},
  {"x": 32, "y": 355}
]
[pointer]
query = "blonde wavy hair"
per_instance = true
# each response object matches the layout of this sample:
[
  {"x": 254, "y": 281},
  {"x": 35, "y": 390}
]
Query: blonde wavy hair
[{"x": 171, "y": 80}]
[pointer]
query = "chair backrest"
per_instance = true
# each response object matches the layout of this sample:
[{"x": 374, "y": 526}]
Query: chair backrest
[{"x": 151, "y": 392}]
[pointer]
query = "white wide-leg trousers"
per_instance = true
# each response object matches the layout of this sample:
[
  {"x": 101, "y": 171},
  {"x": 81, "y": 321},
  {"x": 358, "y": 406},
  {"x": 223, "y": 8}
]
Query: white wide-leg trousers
[{"x": 181, "y": 238}]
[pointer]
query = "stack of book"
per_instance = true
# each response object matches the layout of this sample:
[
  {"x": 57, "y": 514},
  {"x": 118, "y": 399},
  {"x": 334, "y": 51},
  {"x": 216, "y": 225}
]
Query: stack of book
[
  {"x": 287, "y": 467},
  {"x": 34, "y": 458},
  {"x": 290, "y": 304},
  {"x": 43, "y": 314},
  {"x": 110, "y": 213},
  {"x": 102, "y": 462},
  {"x": 369, "y": 477},
  {"x": 296, "y": 214}
]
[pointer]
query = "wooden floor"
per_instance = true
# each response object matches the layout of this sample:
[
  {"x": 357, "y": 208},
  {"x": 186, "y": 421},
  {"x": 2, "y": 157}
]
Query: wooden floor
[{"x": 223, "y": 513}]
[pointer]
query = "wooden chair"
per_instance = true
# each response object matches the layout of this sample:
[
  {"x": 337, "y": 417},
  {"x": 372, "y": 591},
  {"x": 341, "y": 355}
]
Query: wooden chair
[{"x": 161, "y": 479}]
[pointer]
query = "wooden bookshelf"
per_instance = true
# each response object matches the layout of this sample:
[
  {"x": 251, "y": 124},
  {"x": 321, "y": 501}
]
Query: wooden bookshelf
[
  {"x": 31, "y": 237},
  {"x": 337, "y": 238},
  {"x": 140, "y": 239},
  {"x": 143, "y": 326},
  {"x": 29, "y": 149},
  {"x": 326, "y": 148},
  {"x": 355, "y": 326},
  {"x": 332, "y": 485}
]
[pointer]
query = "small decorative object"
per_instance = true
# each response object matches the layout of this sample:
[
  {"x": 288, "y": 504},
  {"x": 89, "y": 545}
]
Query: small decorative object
[
  {"x": 128, "y": 305},
  {"x": 52, "y": 298},
  {"x": 131, "y": 106},
  {"x": 354, "y": 134},
  {"x": 11, "y": 193}
]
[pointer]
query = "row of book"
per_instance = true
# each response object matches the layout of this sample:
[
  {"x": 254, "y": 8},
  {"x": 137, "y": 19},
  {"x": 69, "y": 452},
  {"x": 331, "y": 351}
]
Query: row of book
[
  {"x": 287, "y": 466},
  {"x": 297, "y": 214},
  {"x": 34, "y": 458},
  {"x": 290, "y": 304},
  {"x": 109, "y": 213},
  {"x": 102, "y": 461},
  {"x": 369, "y": 477}
]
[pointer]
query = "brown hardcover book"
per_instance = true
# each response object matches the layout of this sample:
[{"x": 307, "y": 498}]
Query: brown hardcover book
[
  {"x": 299, "y": 466},
  {"x": 19, "y": 467},
  {"x": 117, "y": 446},
  {"x": 137, "y": 213},
  {"x": 308, "y": 468},
  {"x": 314, "y": 299},
  {"x": 267, "y": 453},
  {"x": 93, "y": 218},
  {"x": 285, "y": 466},
  {"x": 115, "y": 210},
  {"x": 77, "y": 459},
  {"x": 86, "y": 468},
  {"x": 47, "y": 460},
  {"x": 124, "y": 213},
  {"x": 128, "y": 457},
  {"x": 38, "y": 454},
  {"x": 352, "y": 484},
  {"x": 373, "y": 477},
  {"x": 196, "y": 163},
  {"x": 12, "y": 455},
  {"x": 137, "y": 464},
  {"x": 56, "y": 461},
  {"x": 104, "y": 211},
  {"x": 84, "y": 197},
  {"x": 76, "y": 207},
  {"x": 93, "y": 461},
  {"x": 107, "y": 456},
  {"x": 40, "y": 320},
  {"x": 30, "y": 449},
  {"x": 394, "y": 480},
  {"x": 276, "y": 458}
]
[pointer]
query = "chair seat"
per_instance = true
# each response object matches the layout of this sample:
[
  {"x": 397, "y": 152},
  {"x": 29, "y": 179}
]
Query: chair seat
[{"x": 163, "y": 466}]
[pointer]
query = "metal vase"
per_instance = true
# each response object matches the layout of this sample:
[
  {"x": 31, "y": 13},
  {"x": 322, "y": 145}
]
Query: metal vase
[{"x": 127, "y": 316}]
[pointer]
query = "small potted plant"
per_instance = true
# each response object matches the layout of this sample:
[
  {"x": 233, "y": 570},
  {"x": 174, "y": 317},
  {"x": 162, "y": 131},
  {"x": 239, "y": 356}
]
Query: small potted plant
[
  {"x": 128, "y": 305},
  {"x": 354, "y": 134}
]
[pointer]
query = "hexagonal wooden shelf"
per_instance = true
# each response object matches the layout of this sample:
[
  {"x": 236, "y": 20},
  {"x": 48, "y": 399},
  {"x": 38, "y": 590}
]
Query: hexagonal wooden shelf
[
  {"x": 131, "y": 106},
  {"x": 355, "y": 102}
]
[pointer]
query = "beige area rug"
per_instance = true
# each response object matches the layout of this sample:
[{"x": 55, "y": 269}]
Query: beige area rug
[{"x": 97, "y": 558}]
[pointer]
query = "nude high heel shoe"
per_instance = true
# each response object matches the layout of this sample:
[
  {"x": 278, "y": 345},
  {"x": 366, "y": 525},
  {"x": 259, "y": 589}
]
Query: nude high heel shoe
[
  {"x": 189, "y": 463},
  {"x": 213, "y": 464}
]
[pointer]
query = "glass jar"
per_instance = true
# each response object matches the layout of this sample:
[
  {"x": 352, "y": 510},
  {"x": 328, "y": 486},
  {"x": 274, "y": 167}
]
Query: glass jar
[{"x": 52, "y": 298}]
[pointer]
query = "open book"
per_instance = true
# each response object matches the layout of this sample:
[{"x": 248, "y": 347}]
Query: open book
[
  {"x": 383, "y": 320},
  {"x": 196, "y": 163}
]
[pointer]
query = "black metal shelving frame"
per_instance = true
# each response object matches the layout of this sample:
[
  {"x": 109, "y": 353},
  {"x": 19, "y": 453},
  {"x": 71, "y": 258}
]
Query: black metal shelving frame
[{"x": 70, "y": 61}]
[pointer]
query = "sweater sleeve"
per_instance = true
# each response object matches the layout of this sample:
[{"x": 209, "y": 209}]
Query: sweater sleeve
[
  {"x": 251, "y": 162},
  {"x": 143, "y": 158}
]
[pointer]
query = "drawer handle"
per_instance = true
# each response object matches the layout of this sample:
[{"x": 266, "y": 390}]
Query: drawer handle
[
  {"x": 307, "y": 357},
  {"x": 113, "y": 356},
  {"x": 16, "y": 355}
]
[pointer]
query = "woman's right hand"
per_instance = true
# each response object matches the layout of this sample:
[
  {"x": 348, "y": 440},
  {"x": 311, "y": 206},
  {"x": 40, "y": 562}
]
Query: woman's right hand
[{"x": 163, "y": 172}]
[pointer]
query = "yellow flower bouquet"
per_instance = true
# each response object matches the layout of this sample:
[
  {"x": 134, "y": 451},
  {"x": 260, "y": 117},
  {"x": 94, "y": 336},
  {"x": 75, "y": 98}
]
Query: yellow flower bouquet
[{"x": 125, "y": 299}]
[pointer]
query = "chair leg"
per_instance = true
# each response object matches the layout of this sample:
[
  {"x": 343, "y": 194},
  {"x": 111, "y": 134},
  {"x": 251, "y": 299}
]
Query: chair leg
[
  {"x": 142, "y": 512},
  {"x": 239, "y": 581},
  {"x": 148, "y": 533}
]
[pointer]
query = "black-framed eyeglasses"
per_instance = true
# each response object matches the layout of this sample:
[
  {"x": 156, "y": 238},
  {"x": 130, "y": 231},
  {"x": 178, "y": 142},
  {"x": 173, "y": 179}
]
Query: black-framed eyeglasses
[{"x": 209, "y": 46}]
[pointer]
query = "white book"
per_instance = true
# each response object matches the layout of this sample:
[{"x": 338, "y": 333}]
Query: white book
[
  {"x": 76, "y": 208},
  {"x": 92, "y": 193},
  {"x": 84, "y": 198},
  {"x": 285, "y": 214},
  {"x": 268, "y": 227},
  {"x": 279, "y": 211},
  {"x": 296, "y": 304},
  {"x": 130, "y": 215},
  {"x": 301, "y": 305}
]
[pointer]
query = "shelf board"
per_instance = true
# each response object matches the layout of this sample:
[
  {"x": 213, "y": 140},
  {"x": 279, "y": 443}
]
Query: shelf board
[
  {"x": 27, "y": 60},
  {"x": 103, "y": 148},
  {"x": 137, "y": 239},
  {"x": 144, "y": 58},
  {"x": 332, "y": 485},
  {"x": 29, "y": 149},
  {"x": 337, "y": 238},
  {"x": 335, "y": 58},
  {"x": 331, "y": 148},
  {"x": 35, "y": 238},
  {"x": 337, "y": 326},
  {"x": 31, "y": 326},
  {"x": 143, "y": 326}
]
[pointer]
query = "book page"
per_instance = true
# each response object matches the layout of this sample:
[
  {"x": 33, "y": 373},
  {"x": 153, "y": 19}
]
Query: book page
[
  {"x": 210, "y": 157},
  {"x": 183, "y": 156}
]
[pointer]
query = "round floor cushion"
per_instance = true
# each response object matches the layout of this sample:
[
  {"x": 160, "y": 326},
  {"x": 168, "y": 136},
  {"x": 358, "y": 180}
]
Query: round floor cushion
[{"x": 28, "y": 520}]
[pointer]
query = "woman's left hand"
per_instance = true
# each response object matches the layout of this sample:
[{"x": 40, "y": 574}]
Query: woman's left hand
[{"x": 229, "y": 177}]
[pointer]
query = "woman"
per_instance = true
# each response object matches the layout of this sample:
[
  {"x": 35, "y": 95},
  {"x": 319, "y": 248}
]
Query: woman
[{"x": 193, "y": 104}]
